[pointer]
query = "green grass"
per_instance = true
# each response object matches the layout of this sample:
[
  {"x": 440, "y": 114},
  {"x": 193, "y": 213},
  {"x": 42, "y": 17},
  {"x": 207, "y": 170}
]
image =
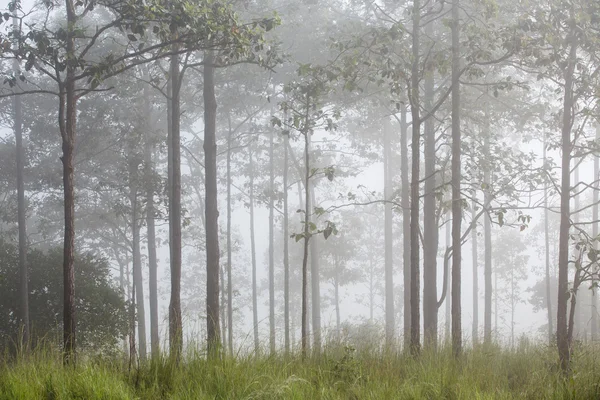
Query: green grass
[{"x": 526, "y": 373}]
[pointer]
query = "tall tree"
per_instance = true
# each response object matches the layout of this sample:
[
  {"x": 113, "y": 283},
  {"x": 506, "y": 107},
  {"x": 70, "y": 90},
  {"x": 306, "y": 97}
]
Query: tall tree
[
  {"x": 271, "y": 245},
  {"x": 212, "y": 212},
  {"x": 456, "y": 180},
  {"x": 389, "y": 257}
]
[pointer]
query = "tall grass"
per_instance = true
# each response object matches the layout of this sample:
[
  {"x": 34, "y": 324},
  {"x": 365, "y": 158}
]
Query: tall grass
[{"x": 529, "y": 372}]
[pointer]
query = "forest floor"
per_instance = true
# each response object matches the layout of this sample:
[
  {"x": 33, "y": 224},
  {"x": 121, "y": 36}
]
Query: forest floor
[{"x": 528, "y": 372}]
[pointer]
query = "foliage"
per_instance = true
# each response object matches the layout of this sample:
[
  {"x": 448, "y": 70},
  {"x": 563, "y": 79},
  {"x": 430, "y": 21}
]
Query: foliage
[{"x": 101, "y": 308}]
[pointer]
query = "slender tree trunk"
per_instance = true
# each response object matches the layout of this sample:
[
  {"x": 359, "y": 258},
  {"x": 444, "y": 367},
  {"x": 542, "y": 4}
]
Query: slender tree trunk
[
  {"x": 475, "y": 331},
  {"x": 229, "y": 282},
  {"x": 222, "y": 309},
  {"x": 138, "y": 280},
  {"x": 388, "y": 220},
  {"x": 596, "y": 199},
  {"x": 21, "y": 211},
  {"x": 456, "y": 180},
  {"x": 565, "y": 212},
  {"x": 211, "y": 211},
  {"x": 415, "y": 103},
  {"x": 405, "y": 202},
  {"x": 487, "y": 232},
  {"x": 547, "y": 254},
  {"x": 271, "y": 247},
  {"x": 306, "y": 239},
  {"x": 337, "y": 300},
  {"x": 286, "y": 250},
  {"x": 447, "y": 265},
  {"x": 430, "y": 228},
  {"x": 253, "y": 252},
  {"x": 175, "y": 322},
  {"x": 67, "y": 122},
  {"x": 151, "y": 229},
  {"x": 315, "y": 276}
]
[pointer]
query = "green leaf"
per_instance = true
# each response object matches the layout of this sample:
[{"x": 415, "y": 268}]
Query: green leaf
[{"x": 131, "y": 37}]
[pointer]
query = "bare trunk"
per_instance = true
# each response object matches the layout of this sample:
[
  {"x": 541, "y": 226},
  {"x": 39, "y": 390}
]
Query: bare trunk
[
  {"x": 138, "y": 280},
  {"x": 23, "y": 341},
  {"x": 456, "y": 180},
  {"x": 430, "y": 228},
  {"x": 304, "y": 345},
  {"x": 286, "y": 251},
  {"x": 253, "y": 253},
  {"x": 389, "y": 256},
  {"x": 596, "y": 198},
  {"x": 315, "y": 284},
  {"x": 415, "y": 312},
  {"x": 547, "y": 256},
  {"x": 151, "y": 230},
  {"x": 175, "y": 322},
  {"x": 67, "y": 122},
  {"x": 211, "y": 211},
  {"x": 336, "y": 299},
  {"x": 487, "y": 233},
  {"x": 229, "y": 266},
  {"x": 405, "y": 201},
  {"x": 565, "y": 212},
  {"x": 271, "y": 247},
  {"x": 446, "y": 274},
  {"x": 475, "y": 331}
]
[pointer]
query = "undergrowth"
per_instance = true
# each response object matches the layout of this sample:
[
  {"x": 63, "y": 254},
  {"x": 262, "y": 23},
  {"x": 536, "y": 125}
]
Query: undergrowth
[{"x": 529, "y": 372}]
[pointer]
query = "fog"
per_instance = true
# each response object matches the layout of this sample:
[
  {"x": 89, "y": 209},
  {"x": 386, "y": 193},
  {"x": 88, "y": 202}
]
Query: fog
[{"x": 290, "y": 177}]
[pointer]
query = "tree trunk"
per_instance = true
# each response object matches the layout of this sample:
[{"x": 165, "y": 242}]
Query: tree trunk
[
  {"x": 304, "y": 346},
  {"x": 271, "y": 247},
  {"x": 67, "y": 122},
  {"x": 175, "y": 322},
  {"x": 430, "y": 228},
  {"x": 286, "y": 256},
  {"x": 487, "y": 233},
  {"x": 211, "y": 211},
  {"x": 405, "y": 202},
  {"x": 596, "y": 198},
  {"x": 253, "y": 252},
  {"x": 138, "y": 280},
  {"x": 389, "y": 256},
  {"x": 337, "y": 300},
  {"x": 151, "y": 230},
  {"x": 447, "y": 281},
  {"x": 229, "y": 266},
  {"x": 222, "y": 310},
  {"x": 565, "y": 211},
  {"x": 475, "y": 331},
  {"x": 315, "y": 287},
  {"x": 23, "y": 341},
  {"x": 415, "y": 314},
  {"x": 456, "y": 180},
  {"x": 547, "y": 254}
]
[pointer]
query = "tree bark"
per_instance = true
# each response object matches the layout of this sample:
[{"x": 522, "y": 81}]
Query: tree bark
[
  {"x": 271, "y": 247},
  {"x": 430, "y": 228},
  {"x": 565, "y": 211},
  {"x": 547, "y": 254},
  {"x": 175, "y": 322},
  {"x": 456, "y": 180},
  {"x": 315, "y": 277},
  {"x": 229, "y": 266},
  {"x": 475, "y": 332},
  {"x": 596, "y": 198},
  {"x": 21, "y": 212},
  {"x": 151, "y": 229},
  {"x": 447, "y": 281},
  {"x": 138, "y": 280},
  {"x": 405, "y": 202},
  {"x": 67, "y": 122},
  {"x": 415, "y": 314},
  {"x": 253, "y": 252},
  {"x": 304, "y": 345},
  {"x": 286, "y": 256},
  {"x": 389, "y": 256},
  {"x": 487, "y": 233},
  {"x": 211, "y": 211}
]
